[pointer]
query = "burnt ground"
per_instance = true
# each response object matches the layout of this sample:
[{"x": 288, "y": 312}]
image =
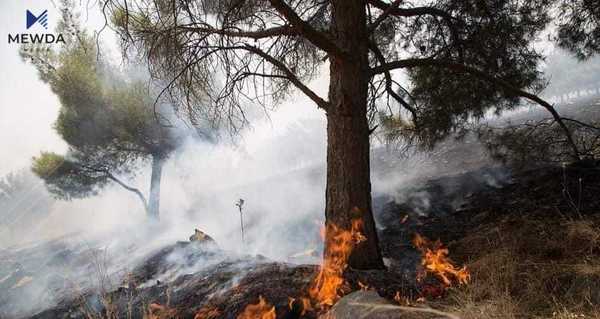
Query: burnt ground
[
  {"x": 447, "y": 208},
  {"x": 450, "y": 207}
]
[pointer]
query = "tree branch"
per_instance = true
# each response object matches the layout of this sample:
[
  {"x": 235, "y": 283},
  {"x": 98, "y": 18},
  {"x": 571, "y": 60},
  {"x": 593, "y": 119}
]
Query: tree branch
[
  {"x": 129, "y": 188},
  {"x": 410, "y": 63},
  {"x": 388, "y": 81},
  {"x": 289, "y": 75},
  {"x": 314, "y": 36},
  {"x": 383, "y": 16},
  {"x": 285, "y": 30},
  {"x": 403, "y": 64},
  {"x": 118, "y": 181},
  {"x": 392, "y": 9},
  {"x": 410, "y": 12},
  {"x": 581, "y": 123}
]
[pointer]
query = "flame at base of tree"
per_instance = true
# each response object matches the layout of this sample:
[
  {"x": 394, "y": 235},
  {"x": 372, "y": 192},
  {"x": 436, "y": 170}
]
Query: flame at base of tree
[
  {"x": 261, "y": 310},
  {"x": 327, "y": 286},
  {"x": 435, "y": 261},
  {"x": 324, "y": 289}
]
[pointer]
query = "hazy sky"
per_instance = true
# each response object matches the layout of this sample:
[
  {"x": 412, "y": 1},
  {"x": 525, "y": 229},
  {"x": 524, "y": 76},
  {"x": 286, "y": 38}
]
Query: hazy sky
[
  {"x": 27, "y": 107},
  {"x": 293, "y": 136}
]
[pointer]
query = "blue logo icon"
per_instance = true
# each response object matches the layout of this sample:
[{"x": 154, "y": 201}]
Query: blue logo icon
[{"x": 41, "y": 19}]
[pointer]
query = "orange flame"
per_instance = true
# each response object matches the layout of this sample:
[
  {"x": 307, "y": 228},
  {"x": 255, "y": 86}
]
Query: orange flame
[
  {"x": 305, "y": 302},
  {"x": 324, "y": 289},
  {"x": 261, "y": 310},
  {"x": 435, "y": 260}
]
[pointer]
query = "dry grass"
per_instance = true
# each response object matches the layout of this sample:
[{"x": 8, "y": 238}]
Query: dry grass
[{"x": 530, "y": 268}]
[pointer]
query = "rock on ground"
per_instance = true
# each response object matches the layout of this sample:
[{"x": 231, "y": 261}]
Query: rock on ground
[{"x": 369, "y": 305}]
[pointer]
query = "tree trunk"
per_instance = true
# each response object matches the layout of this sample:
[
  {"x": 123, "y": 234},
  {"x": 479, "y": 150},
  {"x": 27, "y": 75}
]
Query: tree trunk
[
  {"x": 348, "y": 194},
  {"x": 154, "y": 198}
]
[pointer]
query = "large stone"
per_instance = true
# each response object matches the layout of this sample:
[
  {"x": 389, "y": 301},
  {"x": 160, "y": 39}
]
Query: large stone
[{"x": 369, "y": 305}]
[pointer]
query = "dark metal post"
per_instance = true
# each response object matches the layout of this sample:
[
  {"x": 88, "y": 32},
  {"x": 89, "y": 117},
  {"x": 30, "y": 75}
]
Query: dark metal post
[{"x": 239, "y": 204}]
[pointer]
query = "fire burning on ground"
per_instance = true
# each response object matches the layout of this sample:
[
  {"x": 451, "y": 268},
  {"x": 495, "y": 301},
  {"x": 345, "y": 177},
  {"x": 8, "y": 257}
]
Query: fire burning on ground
[
  {"x": 326, "y": 288},
  {"x": 435, "y": 260},
  {"x": 261, "y": 310},
  {"x": 329, "y": 284}
]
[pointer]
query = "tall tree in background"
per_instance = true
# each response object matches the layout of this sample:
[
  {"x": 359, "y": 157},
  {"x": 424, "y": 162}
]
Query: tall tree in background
[
  {"x": 463, "y": 58},
  {"x": 106, "y": 119}
]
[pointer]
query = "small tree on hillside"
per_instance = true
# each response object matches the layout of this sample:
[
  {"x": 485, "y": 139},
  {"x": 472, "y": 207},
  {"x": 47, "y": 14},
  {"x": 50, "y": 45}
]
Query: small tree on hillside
[
  {"x": 106, "y": 119},
  {"x": 463, "y": 57}
]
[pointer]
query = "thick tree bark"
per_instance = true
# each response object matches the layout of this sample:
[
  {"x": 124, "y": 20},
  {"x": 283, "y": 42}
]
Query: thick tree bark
[
  {"x": 154, "y": 198},
  {"x": 348, "y": 194}
]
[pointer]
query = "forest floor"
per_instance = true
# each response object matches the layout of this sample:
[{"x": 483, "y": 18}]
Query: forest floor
[{"x": 531, "y": 241}]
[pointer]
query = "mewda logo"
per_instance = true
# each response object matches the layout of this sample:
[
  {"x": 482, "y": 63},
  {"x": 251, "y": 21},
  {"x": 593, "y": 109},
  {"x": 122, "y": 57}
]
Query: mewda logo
[
  {"x": 41, "y": 19},
  {"x": 37, "y": 38}
]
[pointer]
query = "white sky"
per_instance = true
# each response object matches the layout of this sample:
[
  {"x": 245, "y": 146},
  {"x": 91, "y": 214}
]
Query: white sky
[
  {"x": 294, "y": 136},
  {"x": 27, "y": 106}
]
